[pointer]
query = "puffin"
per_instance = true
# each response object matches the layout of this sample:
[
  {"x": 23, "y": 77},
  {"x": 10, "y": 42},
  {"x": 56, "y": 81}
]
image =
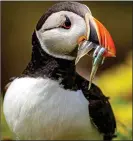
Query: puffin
[{"x": 50, "y": 100}]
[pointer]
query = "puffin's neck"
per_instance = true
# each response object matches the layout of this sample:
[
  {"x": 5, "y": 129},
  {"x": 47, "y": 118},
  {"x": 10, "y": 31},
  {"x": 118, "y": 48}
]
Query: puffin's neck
[{"x": 44, "y": 65}]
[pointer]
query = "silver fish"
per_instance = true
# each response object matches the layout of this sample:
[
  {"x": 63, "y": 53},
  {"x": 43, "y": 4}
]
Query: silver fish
[{"x": 98, "y": 59}]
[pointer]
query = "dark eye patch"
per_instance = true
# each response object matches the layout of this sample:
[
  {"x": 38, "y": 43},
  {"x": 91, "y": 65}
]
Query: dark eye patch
[{"x": 67, "y": 23}]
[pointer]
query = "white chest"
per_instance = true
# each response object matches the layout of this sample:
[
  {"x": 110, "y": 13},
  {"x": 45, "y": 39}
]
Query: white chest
[{"x": 37, "y": 108}]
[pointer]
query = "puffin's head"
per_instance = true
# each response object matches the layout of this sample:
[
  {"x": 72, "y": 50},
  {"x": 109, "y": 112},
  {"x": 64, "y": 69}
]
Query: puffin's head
[
  {"x": 61, "y": 29},
  {"x": 69, "y": 31}
]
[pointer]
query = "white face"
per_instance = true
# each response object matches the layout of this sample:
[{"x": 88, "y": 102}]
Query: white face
[{"x": 60, "y": 42}]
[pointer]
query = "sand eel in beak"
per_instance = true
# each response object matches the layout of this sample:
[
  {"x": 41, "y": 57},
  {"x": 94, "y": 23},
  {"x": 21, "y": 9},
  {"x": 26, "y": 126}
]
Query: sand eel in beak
[
  {"x": 49, "y": 100},
  {"x": 98, "y": 40}
]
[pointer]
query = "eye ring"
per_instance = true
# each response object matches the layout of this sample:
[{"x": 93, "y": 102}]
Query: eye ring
[{"x": 67, "y": 23}]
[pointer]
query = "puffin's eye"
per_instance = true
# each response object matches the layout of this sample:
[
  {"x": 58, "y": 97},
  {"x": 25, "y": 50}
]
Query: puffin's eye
[{"x": 66, "y": 24}]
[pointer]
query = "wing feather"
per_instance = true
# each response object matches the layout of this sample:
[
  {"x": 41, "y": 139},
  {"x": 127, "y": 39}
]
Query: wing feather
[{"x": 100, "y": 110}]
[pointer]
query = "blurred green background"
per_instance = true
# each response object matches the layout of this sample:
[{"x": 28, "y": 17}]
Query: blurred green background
[{"x": 114, "y": 77}]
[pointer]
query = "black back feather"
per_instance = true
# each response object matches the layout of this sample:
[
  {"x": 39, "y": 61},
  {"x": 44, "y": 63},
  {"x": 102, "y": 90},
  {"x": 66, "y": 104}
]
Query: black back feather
[{"x": 100, "y": 110}]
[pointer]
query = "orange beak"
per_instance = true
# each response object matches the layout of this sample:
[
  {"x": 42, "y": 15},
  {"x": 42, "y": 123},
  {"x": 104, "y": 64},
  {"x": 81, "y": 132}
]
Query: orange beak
[
  {"x": 97, "y": 34},
  {"x": 104, "y": 38}
]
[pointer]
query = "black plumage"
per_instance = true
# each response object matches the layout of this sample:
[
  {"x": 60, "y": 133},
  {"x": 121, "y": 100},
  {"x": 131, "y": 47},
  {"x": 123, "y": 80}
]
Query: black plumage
[{"x": 100, "y": 110}]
